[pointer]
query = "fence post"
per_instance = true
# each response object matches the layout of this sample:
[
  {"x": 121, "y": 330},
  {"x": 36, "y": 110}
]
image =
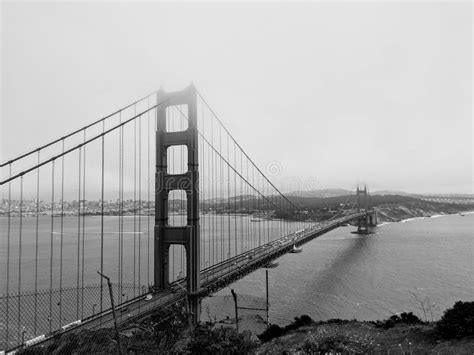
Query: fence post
[
  {"x": 117, "y": 334},
  {"x": 234, "y": 295}
]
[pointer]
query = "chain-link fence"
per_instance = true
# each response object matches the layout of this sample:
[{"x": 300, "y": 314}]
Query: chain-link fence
[{"x": 31, "y": 315}]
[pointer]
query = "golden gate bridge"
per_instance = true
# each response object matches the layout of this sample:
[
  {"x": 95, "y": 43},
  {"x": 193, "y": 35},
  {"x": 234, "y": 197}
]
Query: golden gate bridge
[{"x": 159, "y": 197}]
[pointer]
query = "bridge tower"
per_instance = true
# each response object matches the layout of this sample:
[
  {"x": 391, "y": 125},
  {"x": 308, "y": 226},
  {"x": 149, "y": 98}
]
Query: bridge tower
[
  {"x": 370, "y": 217},
  {"x": 166, "y": 235}
]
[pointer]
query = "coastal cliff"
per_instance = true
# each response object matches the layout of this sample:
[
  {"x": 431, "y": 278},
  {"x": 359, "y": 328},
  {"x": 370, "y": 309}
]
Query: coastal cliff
[
  {"x": 399, "y": 212},
  {"x": 390, "y": 208}
]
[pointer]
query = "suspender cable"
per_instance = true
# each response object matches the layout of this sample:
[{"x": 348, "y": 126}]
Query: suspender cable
[
  {"x": 78, "y": 234},
  {"x": 255, "y": 202},
  {"x": 267, "y": 210},
  {"x": 209, "y": 190},
  {"x": 221, "y": 197},
  {"x": 213, "y": 221},
  {"x": 8, "y": 256},
  {"x": 102, "y": 225},
  {"x": 235, "y": 204},
  {"x": 61, "y": 242},
  {"x": 148, "y": 197},
  {"x": 241, "y": 193},
  {"x": 203, "y": 196},
  {"x": 119, "y": 260},
  {"x": 202, "y": 178},
  {"x": 249, "y": 230},
  {"x": 121, "y": 207},
  {"x": 139, "y": 202},
  {"x": 134, "y": 203},
  {"x": 36, "y": 245},
  {"x": 228, "y": 201},
  {"x": 83, "y": 226},
  {"x": 260, "y": 208},
  {"x": 20, "y": 241},
  {"x": 50, "y": 318},
  {"x": 182, "y": 202}
]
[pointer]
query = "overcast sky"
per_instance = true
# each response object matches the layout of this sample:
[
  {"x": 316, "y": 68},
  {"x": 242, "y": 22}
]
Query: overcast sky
[{"x": 336, "y": 93}]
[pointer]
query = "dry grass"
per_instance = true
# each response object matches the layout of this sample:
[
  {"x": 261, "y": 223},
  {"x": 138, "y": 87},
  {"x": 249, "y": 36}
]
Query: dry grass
[{"x": 365, "y": 338}]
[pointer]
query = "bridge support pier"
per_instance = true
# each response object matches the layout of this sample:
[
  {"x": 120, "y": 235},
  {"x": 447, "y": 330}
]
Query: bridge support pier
[{"x": 166, "y": 235}]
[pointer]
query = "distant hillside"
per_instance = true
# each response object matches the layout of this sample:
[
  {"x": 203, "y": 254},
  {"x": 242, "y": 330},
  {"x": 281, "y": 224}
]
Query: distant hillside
[
  {"x": 391, "y": 192},
  {"x": 390, "y": 207},
  {"x": 323, "y": 193},
  {"x": 336, "y": 201}
]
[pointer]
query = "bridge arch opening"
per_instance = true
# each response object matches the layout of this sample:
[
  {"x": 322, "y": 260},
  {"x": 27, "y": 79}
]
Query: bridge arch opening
[
  {"x": 177, "y": 159},
  {"x": 177, "y": 208},
  {"x": 176, "y": 118},
  {"x": 177, "y": 267}
]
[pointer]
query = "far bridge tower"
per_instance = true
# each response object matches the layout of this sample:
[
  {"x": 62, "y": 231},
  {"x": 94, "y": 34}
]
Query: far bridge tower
[{"x": 370, "y": 218}]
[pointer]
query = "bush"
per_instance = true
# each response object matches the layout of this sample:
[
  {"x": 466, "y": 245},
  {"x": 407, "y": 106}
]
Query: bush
[
  {"x": 328, "y": 345},
  {"x": 458, "y": 321},
  {"x": 206, "y": 340},
  {"x": 335, "y": 321},
  {"x": 335, "y": 340},
  {"x": 298, "y": 322},
  {"x": 404, "y": 318},
  {"x": 275, "y": 331}
]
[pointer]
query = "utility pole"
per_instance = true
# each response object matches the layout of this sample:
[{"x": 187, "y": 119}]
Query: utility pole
[
  {"x": 234, "y": 295},
  {"x": 117, "y": 334}
]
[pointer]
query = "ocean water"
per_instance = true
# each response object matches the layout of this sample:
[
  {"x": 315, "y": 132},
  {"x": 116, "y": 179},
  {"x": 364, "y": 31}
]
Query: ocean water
[
  {"x": 39, "y": 245},
  {"x": 406, "y": 266},
  {"x": 222, "y": 236},
  {"x": 412, "y": 265}
]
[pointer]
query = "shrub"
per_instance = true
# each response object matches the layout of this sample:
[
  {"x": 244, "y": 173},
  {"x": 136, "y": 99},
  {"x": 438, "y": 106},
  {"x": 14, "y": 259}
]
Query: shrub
[
  {"x": 336, "y": 340},
  {"x": 457, "y": 321},
  {"x": 335, "y": 321},
  {"x": 410, "y": 318},
  {"x": 298, "y": 322},
  {"x": 328, "y": 345},
  {"x": 404, "y": 318},
  {"x": 224, "y": 340},
  {"x": 275, "y": 331}
]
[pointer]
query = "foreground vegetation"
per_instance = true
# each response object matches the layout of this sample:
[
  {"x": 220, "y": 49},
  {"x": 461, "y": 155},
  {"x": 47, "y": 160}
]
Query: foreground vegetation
[{"x": 168, "y": 332}]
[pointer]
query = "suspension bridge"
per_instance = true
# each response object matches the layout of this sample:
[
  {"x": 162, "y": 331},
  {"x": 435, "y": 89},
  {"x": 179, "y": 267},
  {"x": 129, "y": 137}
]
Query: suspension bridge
[{"x": 159, "y": 197}]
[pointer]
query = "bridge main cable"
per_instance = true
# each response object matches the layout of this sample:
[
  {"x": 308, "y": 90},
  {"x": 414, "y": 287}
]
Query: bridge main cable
[
  {"x": 243, "y": 151},
  {"x": 75, "y": 132},
  {"x": 38, "y": 165}
]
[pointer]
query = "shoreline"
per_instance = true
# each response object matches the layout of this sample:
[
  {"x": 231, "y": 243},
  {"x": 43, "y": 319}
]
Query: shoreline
[
  {"x": 462, "y": 213},
  {"x": 128, "y": 215}
]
